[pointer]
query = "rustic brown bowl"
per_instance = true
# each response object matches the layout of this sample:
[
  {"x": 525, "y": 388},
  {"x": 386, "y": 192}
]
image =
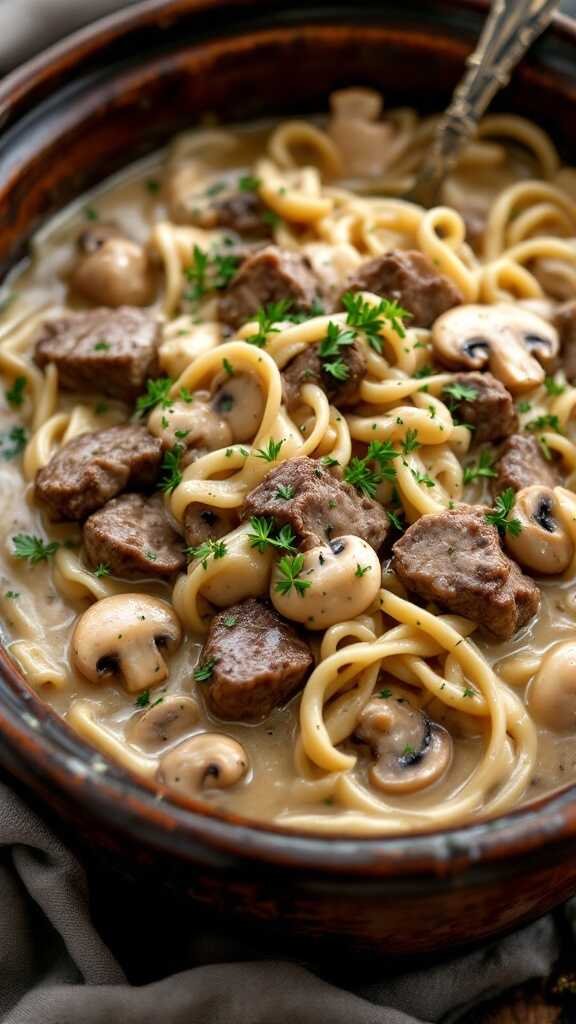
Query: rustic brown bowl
[{"x": 86, "y": 108}]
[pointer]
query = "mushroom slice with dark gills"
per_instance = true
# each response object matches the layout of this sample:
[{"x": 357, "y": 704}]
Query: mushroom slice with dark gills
[
  {"x": 515, "y": 344},
  {"x": 410, "y": 751},
  {"x": 239, "y": 400},
  {"x": 203, "y": 763},
  {"x": 544, "y": 545},
  {"x": 206, "y": 522}
]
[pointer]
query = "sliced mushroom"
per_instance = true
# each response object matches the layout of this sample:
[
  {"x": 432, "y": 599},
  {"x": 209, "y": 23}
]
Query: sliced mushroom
[
  {"x": 193, "y": 424},
  {"x": 240, "y": 401},
  {"x": 514, "y": 343},
  {"x": 336, "y": 581},
  {"x": 411, "y": 751},
  {"x": 166, "y": 721},
  {"x": 112, "y": 270},
  {"x": 204, "y": 762},
  {"x": 552, "y": 692},
  {"x": 543, "y": 544},
  {"x": 122, "y": 636}
]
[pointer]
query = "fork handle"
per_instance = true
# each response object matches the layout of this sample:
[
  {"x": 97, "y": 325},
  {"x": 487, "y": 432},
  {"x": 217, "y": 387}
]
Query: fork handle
[{"x": 510, "y": 29}]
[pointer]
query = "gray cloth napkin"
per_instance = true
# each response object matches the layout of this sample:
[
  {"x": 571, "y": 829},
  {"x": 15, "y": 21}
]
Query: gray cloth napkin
[{"x": 56, "y": 966}]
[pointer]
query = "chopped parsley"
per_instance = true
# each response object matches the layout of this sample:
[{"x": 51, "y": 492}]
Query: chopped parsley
[
  {"x": 33, "y": 549},
  {"x": 500, "y": 515},
  {"x": 151, "y": 556},
  {"x": 171, "y": 464},
  {"x": 271, "y": 452},
  {"x": 461, "y": 392},
  {"x": 468, "y": 692},
  {"x": 547, "y": 422},
  {"x": 284, "y": 492},
  {"x": 266, "y": 318},
  {"x": 395, "y": 517},
  {"x": 422, "y": 478},
  {"x": 208, "y": 271},
  {"x": 483, "y": 468},
  {"x": 230, "y": 620},
  {"x": 410, "y": 442},
  {"x": 204, "y": 671},
  {"x": 330, "y": 351},
  {"x": 290, "y": 568},
  {"x": 13, "y": 443},
  {"x": 102, "y": 569},
  {"x": 361, "y": 570},
  {"x": 371, "y": 319},
  {"x": 186, "y": 396},
  {"x": 248, "y": 183},
  {"x": 272, "y": 218},
  {"x": 15, "y": 394},
  {"x": 524, "y": 406},
  {"x": 265, "y": 533},
  {"x": 424, "y": 371},
  {"x": 12, "y": 595},
  {"x": 196, "y": 275},
  {"x": 100, "y": 408},
  {"x": 157, "y": 393},
  {"x": 554, "y": 387},
  {"x": 152, "y": 186},
  {"x": 408, "y": 751},
  {"x": 102, "y": 346},
  {"x": 385, "y": 693},
  {"x": 228, "y": 367},
  {"x": 209, "y": 549},
  {"x": 366, "y": 477},
  {"x": 143, "y": 699},
  {"x": 91, "y": 213}
]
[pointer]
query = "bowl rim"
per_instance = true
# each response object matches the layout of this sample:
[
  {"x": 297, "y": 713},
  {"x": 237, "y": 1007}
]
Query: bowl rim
[{"x": 42, "y": 746}]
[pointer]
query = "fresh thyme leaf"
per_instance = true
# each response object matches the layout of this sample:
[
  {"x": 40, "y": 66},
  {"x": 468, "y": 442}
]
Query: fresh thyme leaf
[
  {"x": 422, "y": 478},
  {"x": 157, "y": 393},
  {"x": 143, "y": 699},
  {"x": 483, "y": 468},
  {"x": 290, "y": 568},
  {"x": 266, "y": 318},
  {"x": 500, "y": 514},
  {"x": 102, "y": 569},
  {"x": 171, "y": 464},
  {"x": 265, "y": 533},
  {"x": 271, "y": 452},
  {"x": 33, "y": 549},
  {"x": 16, "y": 439},
  {"x": 361, "y": 570},
  {"x": 203, "y": 672},
  {"x": 395, "y": 518},
  {"x": 285, "y": 492},
  {"x": 15, "y": 394},
  {"x": 209, "y": 549}
]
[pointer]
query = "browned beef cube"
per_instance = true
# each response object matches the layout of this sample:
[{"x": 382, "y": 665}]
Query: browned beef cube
[
  {"x": 309, "y": 368},
  {"x": 259, "y": 661},
  {"x": 111, "y": 352},
  {"x": 565, "y": 323},
  {"x": 319, "y": 508},
  {"x": 491, "y": 411},
  {"x": 268, "y": 276},
  {"x": 132, "y": 535},
  {"x": 410, "y": 279},
  {"x": 521, "y": 463},
  {"x": 455, "y": 559},
  {"x": 205, "y": 522},
  {"x": 93, "y": 468}
]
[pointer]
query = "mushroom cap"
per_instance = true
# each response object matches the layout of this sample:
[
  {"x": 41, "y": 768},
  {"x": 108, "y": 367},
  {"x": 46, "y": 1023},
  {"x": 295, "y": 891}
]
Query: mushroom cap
[
  {"x": 122, "y": 635},
  {"x": 552, "y": 692},
  {"x": 544, "y": 544},
  {"x": 240, "y": 401},
  {"x": 513, "y": 342},
  {"x": 411, "y": 751},
  {"x": 344, "y": 577},
  {"x": 116, "y": 273},
  {"x": 163, "y": 723},
  {"x": 196, "y": 425},
  {"x": 207, "y": 761}
]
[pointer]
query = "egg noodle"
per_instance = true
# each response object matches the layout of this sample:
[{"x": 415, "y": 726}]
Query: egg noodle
[{"x": 326, "y": 204}]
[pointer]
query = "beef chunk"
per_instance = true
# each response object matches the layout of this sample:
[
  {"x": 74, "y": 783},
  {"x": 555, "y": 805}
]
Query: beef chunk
[
  {"x": 455, "y": 558},
  {"x": 308, "y": 368},
  {"x": 321, "y": 507},
  {"x": 108, "y": 351},
  {"x": 204, "y": 522},
  {"x": 242, "y": 212},
  {"x": 267, "y": 276},
  {"x": 131, "y": 534},
  {"x": 93, "y": 468},
  {"x": 260, "y": 661},
  {"x": 411, "y": 280},
  {"x": 565, "y": 324},
  {"x": 491, "y": 412},
  {"x": 521, "y": 463}
]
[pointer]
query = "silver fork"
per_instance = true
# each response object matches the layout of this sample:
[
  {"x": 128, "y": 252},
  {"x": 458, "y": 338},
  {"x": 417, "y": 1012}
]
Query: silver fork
[{"x": 511, "y": 27}]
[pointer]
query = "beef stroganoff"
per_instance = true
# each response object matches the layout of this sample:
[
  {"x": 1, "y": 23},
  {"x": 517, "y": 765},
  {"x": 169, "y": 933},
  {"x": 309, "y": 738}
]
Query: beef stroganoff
[{"x": 287, "y": 471}]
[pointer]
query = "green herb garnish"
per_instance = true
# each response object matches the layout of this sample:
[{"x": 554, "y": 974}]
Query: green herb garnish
[
  {"x": 483, "y": 468},
  {"x": 499, "y": 516},
  {"x": 290, "y": 568},
  {"x": 33, "y": 549}
]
